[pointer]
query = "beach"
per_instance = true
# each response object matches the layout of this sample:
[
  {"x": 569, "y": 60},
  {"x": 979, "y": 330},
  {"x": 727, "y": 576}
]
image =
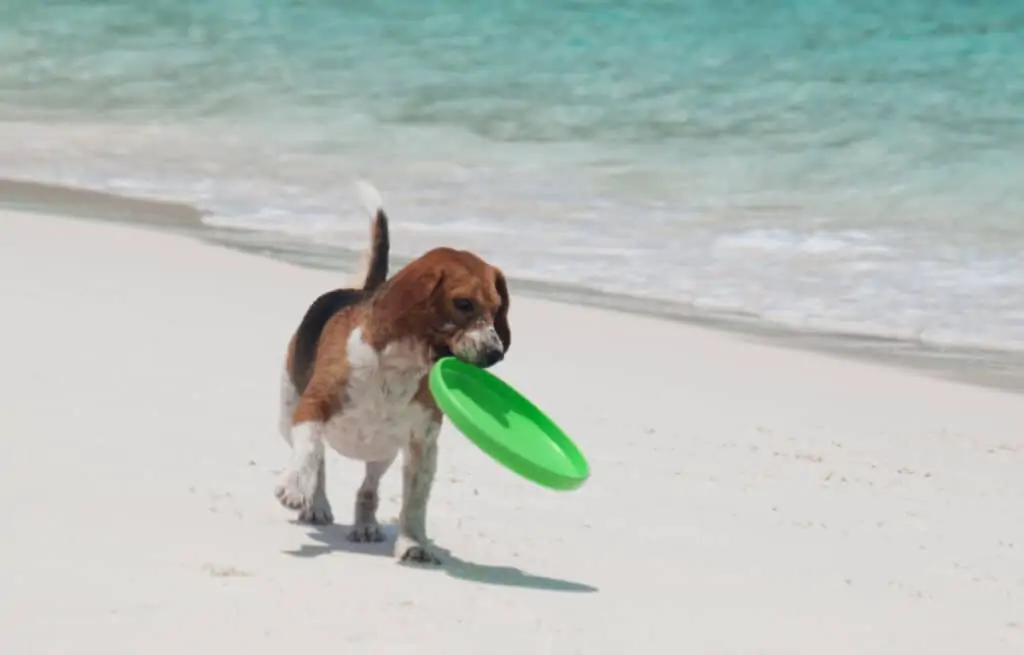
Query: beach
[{"x": 744, "y": 498}]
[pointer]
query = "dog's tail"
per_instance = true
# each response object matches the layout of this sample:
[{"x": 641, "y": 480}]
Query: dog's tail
[{"x": 374, "y": 269}]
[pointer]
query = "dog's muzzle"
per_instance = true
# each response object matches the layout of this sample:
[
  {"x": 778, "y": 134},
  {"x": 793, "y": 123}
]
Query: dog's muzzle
[
  {"x": 480, "y": 346},
  {"x": 492, "y": 356}
]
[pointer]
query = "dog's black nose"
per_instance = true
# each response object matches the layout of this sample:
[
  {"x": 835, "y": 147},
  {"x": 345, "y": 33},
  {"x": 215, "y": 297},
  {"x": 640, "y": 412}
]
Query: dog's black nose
[{"x": 493, "y": 356}]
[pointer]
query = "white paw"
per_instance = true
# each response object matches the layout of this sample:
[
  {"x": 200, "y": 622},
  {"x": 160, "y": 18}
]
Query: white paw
[
  {"x": 318, "y": 513},
  {"x": 366, "y": 533},
  {"x": 296, "y": 490},
  {"x": 408, "y": 550}
]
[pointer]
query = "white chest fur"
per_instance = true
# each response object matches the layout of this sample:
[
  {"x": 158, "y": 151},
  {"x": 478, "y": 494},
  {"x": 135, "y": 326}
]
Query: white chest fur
[{"x": 378, "y": 415}]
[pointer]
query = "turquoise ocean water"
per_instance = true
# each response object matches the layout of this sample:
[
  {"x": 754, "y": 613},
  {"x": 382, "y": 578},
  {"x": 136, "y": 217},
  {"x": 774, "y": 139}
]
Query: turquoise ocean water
[{"x": 831, "y": 165}]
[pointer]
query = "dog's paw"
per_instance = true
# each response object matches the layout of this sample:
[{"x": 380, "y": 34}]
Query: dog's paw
[
  {"x": 410, "y": 551},
  {"x": 296, "y": 491},
  {"x": 318, "y": 512},
  {"x": 366, "y": 533}
]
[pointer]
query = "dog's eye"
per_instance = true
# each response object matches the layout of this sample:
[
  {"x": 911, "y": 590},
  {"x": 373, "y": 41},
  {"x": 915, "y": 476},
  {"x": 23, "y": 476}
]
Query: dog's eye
[{"x": 464, "y": 305}]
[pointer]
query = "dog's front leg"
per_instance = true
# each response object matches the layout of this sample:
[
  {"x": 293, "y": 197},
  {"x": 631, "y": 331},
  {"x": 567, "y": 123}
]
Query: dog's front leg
[{"x": 418, "y": 468}]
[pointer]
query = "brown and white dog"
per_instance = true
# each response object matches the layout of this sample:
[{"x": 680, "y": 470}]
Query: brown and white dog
[{"x": 356, "y": 378}]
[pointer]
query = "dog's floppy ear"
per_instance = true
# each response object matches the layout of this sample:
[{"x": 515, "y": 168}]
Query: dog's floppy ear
[
  {"x": 411, "y": 298},
  {"x": 436, "y": 283},
  {"x": 501, "y": 316}
]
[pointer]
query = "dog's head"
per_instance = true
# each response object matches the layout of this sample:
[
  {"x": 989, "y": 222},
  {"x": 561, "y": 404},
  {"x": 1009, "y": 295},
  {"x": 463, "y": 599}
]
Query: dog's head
[{"x": 457, "y": 302}]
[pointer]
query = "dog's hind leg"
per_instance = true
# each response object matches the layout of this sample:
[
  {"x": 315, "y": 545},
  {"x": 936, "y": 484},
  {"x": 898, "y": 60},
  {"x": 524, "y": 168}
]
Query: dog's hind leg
[
  {"x": 289, "y": 401},
  {"x": 303, "y": 485},
  {"x": 318, "y": 512},
  {"x": 365, "y": 526}
]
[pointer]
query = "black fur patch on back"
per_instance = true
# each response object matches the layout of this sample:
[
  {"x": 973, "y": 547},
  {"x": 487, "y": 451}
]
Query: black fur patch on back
[{"x": 307, "y": 337}]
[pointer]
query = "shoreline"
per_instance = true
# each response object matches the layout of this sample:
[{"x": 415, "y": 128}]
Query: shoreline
[{"x": 991, "y": 368}]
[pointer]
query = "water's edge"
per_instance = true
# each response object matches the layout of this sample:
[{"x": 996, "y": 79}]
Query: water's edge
[{"x": 1002, "y": 370}]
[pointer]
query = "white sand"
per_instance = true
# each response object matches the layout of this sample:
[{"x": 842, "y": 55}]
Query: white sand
[{"x": 744, "y": 499}]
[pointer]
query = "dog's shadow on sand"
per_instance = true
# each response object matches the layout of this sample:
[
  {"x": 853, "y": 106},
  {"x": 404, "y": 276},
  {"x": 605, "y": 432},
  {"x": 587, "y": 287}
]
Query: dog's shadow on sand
[{"x": 334, "y": 538}]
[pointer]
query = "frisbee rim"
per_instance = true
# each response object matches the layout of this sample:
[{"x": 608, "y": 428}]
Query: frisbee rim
[{"x": 494, "y": 444}]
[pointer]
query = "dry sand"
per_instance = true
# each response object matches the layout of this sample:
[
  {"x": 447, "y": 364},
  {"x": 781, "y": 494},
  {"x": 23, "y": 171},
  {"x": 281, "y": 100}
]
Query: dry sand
[{"x": 744, "y": 498}]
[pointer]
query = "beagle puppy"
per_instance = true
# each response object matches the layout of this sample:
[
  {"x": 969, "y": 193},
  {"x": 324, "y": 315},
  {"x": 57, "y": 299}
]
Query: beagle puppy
[{"x": 355, "y": 378}]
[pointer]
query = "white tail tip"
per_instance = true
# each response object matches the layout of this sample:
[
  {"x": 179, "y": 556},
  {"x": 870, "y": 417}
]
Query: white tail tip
[{"x": 370, "y": 197}]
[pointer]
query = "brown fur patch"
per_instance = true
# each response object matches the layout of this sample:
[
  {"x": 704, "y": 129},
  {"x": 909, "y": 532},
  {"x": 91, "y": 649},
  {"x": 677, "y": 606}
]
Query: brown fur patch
[
  {"x": 303, "y": 347},
  {"x": 419, "y": 302},
  {"x": 323, "y": 395}
]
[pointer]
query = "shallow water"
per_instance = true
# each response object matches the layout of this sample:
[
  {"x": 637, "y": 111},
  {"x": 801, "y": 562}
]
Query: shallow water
[{"x": 848, "y": 166}]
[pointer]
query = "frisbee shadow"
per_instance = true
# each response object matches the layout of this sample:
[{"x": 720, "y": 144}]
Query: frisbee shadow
[{"x": 506, "y": 576}]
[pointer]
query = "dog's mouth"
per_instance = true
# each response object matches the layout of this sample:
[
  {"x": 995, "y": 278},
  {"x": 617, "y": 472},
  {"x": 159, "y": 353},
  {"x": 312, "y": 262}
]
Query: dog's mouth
[{"x": 442, "y": 351}]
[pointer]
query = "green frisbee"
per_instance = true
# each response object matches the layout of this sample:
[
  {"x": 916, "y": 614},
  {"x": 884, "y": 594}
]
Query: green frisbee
[{"x": 507, "y": 426}]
